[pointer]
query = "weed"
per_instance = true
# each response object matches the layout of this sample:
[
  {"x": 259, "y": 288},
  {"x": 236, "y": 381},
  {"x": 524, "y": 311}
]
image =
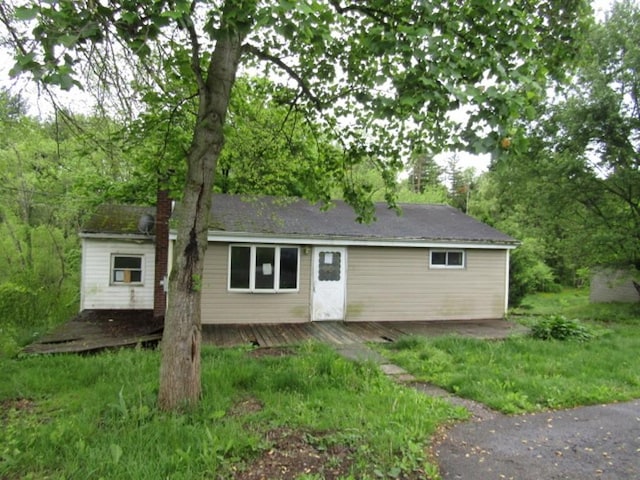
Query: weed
[{"x": 558, "y": 327}]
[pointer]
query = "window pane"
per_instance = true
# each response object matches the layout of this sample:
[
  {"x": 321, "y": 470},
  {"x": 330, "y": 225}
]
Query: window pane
[
  {"x": 265, "y": 263},
  {"x": 438, "y": 258},
  {"x": 329, "y": 266},
  {"x": 136, "y": 276},
  {"x": 127, "y": 262},
  {"x": 240, "y": 267},
  {"x": 455, "y": 259},
  {"x": 288, "y": 268}
]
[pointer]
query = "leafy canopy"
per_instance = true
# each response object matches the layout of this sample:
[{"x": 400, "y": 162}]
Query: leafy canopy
[{"x": 380, "y": 76}]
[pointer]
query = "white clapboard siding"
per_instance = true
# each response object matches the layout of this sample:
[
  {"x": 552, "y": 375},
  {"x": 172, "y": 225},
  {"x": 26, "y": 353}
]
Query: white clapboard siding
[
  {"x": 221, "y": 306},
  {"x": 97, "y": 293},
  {"x": 396, "y": 284}
]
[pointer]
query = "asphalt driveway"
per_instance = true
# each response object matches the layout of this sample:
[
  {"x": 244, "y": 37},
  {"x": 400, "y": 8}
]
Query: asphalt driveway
[{"x": 596, "y": 442}]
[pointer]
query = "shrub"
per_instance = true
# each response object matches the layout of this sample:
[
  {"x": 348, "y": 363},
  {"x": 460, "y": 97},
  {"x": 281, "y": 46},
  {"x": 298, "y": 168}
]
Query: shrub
[
  {"x": 558, "y": 327},
  {"x": 528, "y": 273}
]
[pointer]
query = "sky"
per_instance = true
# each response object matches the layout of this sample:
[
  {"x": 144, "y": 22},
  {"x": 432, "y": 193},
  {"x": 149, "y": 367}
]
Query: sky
[{"x": 41, "y": 106}]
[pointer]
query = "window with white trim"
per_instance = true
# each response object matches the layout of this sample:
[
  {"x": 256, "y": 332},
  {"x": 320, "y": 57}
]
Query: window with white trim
[
  {"x": 126, "y": 269},
  {"x": 446, "y": 259},
  {"x": 263, "y": 268}
]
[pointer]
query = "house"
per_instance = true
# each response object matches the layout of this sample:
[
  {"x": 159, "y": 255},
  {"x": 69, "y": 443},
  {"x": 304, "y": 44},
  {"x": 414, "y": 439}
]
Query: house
[{"x": 278, "y": 260}]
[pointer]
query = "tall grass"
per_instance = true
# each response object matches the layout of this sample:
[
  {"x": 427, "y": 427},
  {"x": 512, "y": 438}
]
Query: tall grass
[
  {"x": 523, "y": 374},
  {"x": 96, "y": 417}
]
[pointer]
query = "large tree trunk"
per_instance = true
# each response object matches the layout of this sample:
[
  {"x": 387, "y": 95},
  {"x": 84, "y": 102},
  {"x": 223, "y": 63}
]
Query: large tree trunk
[{"x": 180, "y": 384}]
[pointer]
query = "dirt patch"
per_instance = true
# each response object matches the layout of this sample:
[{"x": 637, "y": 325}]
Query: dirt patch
[
  {"x": 19, "y": 405},
  {"x": 295, "y": 453},
  {"x": 246, "y": 407}
]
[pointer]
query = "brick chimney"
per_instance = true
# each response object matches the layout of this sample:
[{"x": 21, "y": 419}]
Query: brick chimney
[{"x": 163, "y": 213}]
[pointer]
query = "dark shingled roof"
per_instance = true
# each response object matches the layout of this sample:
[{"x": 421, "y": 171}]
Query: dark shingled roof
[
  {"x": 292, "y": 217},
  {"x": 117, "y": 219},
  {"x": 296, "y": 217}
]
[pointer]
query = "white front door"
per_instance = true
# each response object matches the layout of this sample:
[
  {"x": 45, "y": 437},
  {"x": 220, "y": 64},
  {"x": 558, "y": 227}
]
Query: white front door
[{"x": 329, "y": 283}]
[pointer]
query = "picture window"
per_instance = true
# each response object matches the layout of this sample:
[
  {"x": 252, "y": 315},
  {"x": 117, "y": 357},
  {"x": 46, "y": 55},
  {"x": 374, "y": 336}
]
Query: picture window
[{"x": 258, "y": 268}]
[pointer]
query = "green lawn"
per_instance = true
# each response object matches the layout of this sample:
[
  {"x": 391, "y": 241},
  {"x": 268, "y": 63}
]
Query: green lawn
[
  {"x": 71, "y": 416},
  {"x": 523, "y": 374}
]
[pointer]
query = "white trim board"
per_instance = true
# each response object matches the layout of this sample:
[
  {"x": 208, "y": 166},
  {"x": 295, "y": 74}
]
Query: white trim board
[{"x": 300, "y": 240}]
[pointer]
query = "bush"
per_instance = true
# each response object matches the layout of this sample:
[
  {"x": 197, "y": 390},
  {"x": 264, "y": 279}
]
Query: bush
[
  {"x": 528, "y": 273},
  {"x": 558, "y": 327}
]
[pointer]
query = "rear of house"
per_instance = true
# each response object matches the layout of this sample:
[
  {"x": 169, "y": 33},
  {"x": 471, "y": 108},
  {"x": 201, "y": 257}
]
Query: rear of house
[
  {"x": 273, "y": 260},
  {"x": 286, "y": 261},
  {"x": 360, "y": 283}
]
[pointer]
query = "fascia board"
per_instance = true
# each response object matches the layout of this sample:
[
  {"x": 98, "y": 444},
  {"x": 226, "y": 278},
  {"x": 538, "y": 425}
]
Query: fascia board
[{"x": 227, "y": 237}]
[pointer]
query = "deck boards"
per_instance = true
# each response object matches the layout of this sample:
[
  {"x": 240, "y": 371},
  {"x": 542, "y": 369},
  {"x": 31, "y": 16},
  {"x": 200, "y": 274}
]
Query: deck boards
[{"x": 98, "y": 330}]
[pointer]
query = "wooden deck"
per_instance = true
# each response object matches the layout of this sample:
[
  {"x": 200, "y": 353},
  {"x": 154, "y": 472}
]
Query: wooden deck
[
  {"x": 98, "y": 330},
  {"x": 94, "y": 330},
  {"x": 344, "y": 333}
]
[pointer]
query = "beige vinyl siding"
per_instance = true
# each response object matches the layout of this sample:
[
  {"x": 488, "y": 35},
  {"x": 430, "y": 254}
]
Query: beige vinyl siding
[
  {"x": 396, "y": 284},
  {"x": 221, "y": 306},
  {"x": 97, "y": 293}
]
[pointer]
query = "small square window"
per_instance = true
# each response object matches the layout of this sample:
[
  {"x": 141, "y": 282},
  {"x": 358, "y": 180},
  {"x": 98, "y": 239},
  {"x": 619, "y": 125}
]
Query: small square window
[{"x": 126, "y": 269}]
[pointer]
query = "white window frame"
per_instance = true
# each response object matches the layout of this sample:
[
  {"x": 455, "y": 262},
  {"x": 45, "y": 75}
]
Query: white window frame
[
  {"x": 112, "y": 270},
  {"x": 252, "y": 269},
  {"x": 446, "y": 264}
]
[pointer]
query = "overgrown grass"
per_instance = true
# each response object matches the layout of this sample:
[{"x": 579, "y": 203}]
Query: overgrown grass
[
  {"x": 525, "y": 374},
  {"x": 96, "y": 417}
]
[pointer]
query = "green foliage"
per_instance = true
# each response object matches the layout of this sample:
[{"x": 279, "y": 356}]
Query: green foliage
[
  {"x": 522, "y": 373},
  {"x": 360, "y": 72},
  {"x": 72, "y": 416},
  {"x": 573, "y": 183},
  {"x": 558, "y": 327},
  {"x": 528, "y": 273},
  {"x": 272, "y": 149}
]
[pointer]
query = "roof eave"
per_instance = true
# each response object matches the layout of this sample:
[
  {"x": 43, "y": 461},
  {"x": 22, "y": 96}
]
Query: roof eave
[
  {"x": 226, "y": 236},
  {"x": 117, "y": 236}
]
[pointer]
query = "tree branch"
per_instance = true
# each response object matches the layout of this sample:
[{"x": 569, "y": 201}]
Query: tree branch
[
  {"x": 306, "y": 90},
  {"x": 187, "y": 23}
]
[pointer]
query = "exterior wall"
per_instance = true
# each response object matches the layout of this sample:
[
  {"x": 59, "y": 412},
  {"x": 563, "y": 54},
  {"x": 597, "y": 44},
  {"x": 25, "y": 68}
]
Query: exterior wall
[
  {"x": 96, "y": 290},
  {"x": 396, "y": 284},
  {"x": 221, "y": 306},
  {"x": 610, "y": 285}
]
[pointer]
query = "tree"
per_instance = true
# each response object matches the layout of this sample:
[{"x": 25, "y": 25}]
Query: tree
[
  {"x": 273, "y": 149},
  {"x": 378, "y": 75},
  {"x": 424, "y": 171},
  {"x": 574, "y": 182}
]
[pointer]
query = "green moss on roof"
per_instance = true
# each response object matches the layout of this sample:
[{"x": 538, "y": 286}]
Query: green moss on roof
[{"x": 118, "y": 219}]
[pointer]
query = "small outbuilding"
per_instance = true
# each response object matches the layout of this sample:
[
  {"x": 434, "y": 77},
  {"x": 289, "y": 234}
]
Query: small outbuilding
[
  {"x": 614, "y": 285},
  {"x": 283, "y": 260}
]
